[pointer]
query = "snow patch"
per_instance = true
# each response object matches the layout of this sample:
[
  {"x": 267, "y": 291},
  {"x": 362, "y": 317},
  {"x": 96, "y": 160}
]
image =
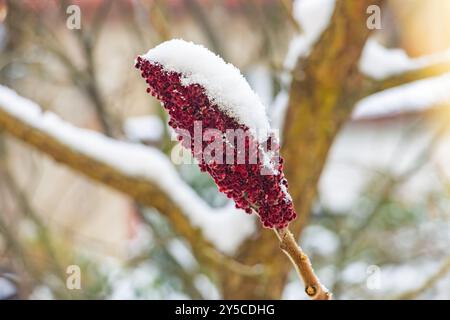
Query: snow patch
[
  {"x": 320, "y": 240},
  {"x": 415, "y": 96},
  {"x": 314, "y": 17},
  {"x": 144, "y": 128},
  {"x": 207, "y": 288},
  {"x": 278, "y": 110},
  {"x": 182, "y": 254},
  {"x": 7, "y": 289},
  {"x": 259, "y": 78},
  {"x": 379, "y": 62},
  {"x": 223, "y": 82}
]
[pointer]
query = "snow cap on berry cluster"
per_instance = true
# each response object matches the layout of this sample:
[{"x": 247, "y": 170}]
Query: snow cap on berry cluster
[
  {"x": 195, "y": 85},
  {"x": 223, "y": 82}
]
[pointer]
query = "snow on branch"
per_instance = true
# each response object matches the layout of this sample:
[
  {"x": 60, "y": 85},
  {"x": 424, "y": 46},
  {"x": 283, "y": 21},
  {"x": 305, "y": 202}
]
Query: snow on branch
[
  {"x": 314, "y": 17},
  {"x": 380, "y": 63},
  {"x": 390, "y": 68},
  {"x": 415, "y": 96},
  {"x": 144, "y": 173}
]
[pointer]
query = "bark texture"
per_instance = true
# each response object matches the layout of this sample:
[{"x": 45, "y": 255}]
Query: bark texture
[{"x": 324, "y": 89}]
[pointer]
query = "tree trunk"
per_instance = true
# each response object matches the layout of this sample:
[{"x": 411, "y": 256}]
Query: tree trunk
[{"x": 319, "y": 103}]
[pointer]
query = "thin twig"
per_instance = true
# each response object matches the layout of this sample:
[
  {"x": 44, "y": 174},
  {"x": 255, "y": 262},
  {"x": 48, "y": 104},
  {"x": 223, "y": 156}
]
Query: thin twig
[
  {"x": 313, "y": 288},
  {"x": 443, "y": 270},
  {"x": 233, "y": 265}
]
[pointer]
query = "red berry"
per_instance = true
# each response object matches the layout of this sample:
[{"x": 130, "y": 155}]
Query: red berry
[{"x": 244, "y": 183}]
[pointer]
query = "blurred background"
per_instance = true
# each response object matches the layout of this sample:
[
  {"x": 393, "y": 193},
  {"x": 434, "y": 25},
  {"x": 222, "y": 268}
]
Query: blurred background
[{"x": 363, "y": 113}]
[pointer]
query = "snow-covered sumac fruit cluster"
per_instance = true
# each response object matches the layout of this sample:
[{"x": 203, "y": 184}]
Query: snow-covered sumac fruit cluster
[{"x": 196, "y": 86}]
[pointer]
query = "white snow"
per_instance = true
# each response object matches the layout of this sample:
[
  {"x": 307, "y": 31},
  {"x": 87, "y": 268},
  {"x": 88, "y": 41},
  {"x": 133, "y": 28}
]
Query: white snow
[
  {"x": 356, "y": 272},
  {"x": 7, "y": 289},
  {"x": 313, "y": 16},
  {"x": 223, "y": 82},
  {"x": 139, "y": 282},
  {"x": 414, "y": 96},
  {"x": 226, "y": 228},
  {"x": 278, "y": 110},
  {"x": 376, "y": 61},
  {"x": 140, "y": 242},
  {"x": 41, "y": 292},
  {"x": 361, "y": 152},
  {"x": 181, "y": 253},
  {"x": 398, "y": 279},
  {"x": 259, "y": 78},
  {"x": 319, "y": 240},
  {"x": 341, "y": 185},
  {"x": 294, "y": 290},
  {"x": 206, "y": 287},
  {"x": 144, "y": 128},
  {"x": 379, "y": 62}
]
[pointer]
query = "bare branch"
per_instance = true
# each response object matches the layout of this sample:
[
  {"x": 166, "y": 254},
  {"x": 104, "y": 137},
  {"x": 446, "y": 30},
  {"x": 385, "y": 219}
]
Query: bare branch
[
  {"x": 443, "y": 270},
  {"x": 321, "y": 99},
  {"x": 429, "y": 71},
  {"x": 313, "y": 288},
  {"x": 140, "y": 189}
]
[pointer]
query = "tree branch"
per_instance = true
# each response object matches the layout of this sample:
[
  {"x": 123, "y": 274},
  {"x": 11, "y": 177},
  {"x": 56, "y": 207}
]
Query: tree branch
[
  {"x": 320, "y": 101},
  {"x": 429, "y": 71},
  {"x": 313, "y": 288},
  {"x": 140, "y": 189},
  {"x": 443, "y": 270}
]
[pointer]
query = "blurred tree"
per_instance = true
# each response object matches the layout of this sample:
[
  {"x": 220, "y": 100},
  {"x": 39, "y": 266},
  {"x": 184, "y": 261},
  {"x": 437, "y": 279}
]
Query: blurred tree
[{"x": 326, "y": 84}]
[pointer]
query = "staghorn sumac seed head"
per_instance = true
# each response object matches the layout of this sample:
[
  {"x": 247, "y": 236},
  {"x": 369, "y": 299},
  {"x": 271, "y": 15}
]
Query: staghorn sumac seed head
[{"x": 197, "y": 87}]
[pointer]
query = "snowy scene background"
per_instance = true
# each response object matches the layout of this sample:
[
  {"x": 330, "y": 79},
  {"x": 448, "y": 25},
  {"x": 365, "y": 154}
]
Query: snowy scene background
[{"x": 87, "y": 186}]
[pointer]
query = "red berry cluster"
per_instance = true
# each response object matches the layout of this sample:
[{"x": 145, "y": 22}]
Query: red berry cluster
[{"x": 244, "y": 183}]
